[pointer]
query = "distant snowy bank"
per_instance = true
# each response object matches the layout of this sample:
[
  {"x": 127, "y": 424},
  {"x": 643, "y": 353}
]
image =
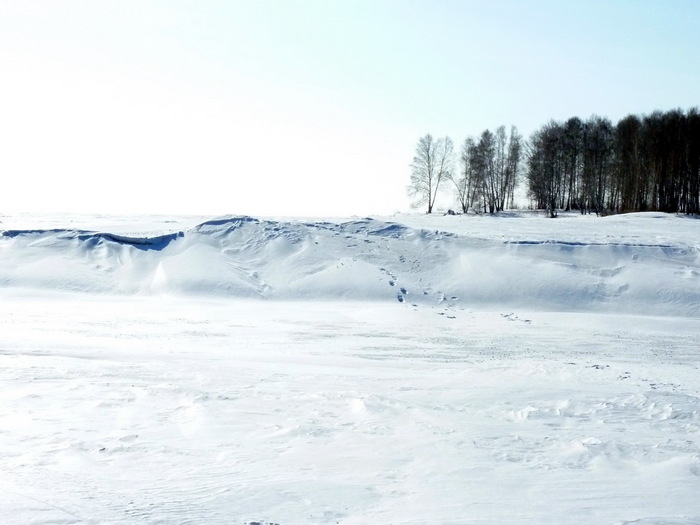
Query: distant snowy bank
[{"x": 639, "y": 263}]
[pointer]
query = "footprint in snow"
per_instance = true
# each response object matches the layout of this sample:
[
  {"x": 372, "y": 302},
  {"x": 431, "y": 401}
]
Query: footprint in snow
[
  {"x": 400, "y": 298},
  {"x": 513, "y": 317}
]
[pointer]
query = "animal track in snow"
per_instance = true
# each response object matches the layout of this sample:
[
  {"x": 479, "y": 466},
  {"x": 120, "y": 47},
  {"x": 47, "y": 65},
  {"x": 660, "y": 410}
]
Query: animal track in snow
[{"x": 512, "y": 317}]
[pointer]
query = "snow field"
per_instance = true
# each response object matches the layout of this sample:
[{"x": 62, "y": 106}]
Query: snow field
[
  {"x": 410, "y": 370},
  {"x": 157, "y": 410}
]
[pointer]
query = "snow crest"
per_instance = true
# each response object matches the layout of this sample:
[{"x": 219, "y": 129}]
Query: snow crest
[{"x": 369, "y": 259}]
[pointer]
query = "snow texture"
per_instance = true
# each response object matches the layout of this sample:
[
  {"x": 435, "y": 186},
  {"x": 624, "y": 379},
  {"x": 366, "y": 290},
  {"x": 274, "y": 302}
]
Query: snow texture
[
  {"x": 414, "y": 369},
  {"x": 577, "y": 263}
]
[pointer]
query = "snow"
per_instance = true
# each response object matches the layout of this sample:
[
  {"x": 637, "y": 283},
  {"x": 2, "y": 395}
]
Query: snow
[
  {"x": 635, "y": 264},
  {"x": 243, "y": 370}
]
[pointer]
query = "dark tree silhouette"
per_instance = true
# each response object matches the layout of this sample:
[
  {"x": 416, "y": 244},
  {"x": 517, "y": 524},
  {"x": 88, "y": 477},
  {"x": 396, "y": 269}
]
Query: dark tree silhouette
[{"x": 639, "y": 164}]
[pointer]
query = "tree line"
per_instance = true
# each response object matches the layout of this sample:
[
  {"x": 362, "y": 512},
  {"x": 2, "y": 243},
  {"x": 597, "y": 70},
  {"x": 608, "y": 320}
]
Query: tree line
[
  {"x": 485, "y": 178},
  {"x": 647, "y": 163}
]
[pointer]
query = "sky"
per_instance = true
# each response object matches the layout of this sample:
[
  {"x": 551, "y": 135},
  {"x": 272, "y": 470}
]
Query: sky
[{"x": 301, "y": 107}]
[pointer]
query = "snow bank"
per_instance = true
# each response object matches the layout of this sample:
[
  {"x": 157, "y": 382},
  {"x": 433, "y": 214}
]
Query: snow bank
[{"x": 644, "y": 263}]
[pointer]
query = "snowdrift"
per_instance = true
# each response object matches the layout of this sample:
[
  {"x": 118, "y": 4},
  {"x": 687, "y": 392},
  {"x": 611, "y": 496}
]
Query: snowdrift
[{"x": 515, "y": 261}]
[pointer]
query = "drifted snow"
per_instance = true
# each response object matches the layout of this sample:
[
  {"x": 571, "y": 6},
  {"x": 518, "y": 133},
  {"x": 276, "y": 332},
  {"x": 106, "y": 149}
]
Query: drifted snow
[
  {"x": 644, "y": 263},
  {"x": 244, "y": 370}
]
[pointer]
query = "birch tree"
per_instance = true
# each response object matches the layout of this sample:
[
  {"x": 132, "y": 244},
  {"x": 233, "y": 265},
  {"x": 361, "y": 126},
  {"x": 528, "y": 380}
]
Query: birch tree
[
  {"x": 467, "y": 185},
  {"x": 431, "y": 165}
]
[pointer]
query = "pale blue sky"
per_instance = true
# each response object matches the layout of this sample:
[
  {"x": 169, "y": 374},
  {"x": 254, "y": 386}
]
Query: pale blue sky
[{"x": 304, "y": 107}]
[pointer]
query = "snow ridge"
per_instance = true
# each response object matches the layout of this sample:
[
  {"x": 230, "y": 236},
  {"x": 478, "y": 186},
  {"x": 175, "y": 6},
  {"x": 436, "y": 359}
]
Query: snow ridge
[
  {"x": 158, "y": 242},
  {"x": 241, "y": 256}
]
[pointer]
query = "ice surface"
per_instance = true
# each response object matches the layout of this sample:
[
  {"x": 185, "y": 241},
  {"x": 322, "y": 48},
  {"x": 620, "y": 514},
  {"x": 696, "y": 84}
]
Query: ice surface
[{"x": 537, "y": 371}]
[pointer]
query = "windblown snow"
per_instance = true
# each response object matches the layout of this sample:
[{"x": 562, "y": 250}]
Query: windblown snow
[
  {"x": 411, "y": 369},
  {"x": 613, "y": 267}
]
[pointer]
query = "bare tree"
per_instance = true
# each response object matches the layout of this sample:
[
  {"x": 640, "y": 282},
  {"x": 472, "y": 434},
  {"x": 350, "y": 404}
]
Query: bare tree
[
  {"x": 489, "y": 171},
  {"x": 500, "y": 172},
  {"x": 639, "y": 164},
  {"x": 515, "y": 148},
  {"x": 545, "y": 166},
  {"x": 467, "y": 186},
  {"x": 485, "y": 166},
  {"x": 431, "y": 165},
  {"x": 598, "y": 151}
]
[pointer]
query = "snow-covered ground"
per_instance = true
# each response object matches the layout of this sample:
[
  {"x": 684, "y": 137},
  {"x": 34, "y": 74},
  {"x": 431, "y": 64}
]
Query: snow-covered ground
[{"x": 410, "y": 369}]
